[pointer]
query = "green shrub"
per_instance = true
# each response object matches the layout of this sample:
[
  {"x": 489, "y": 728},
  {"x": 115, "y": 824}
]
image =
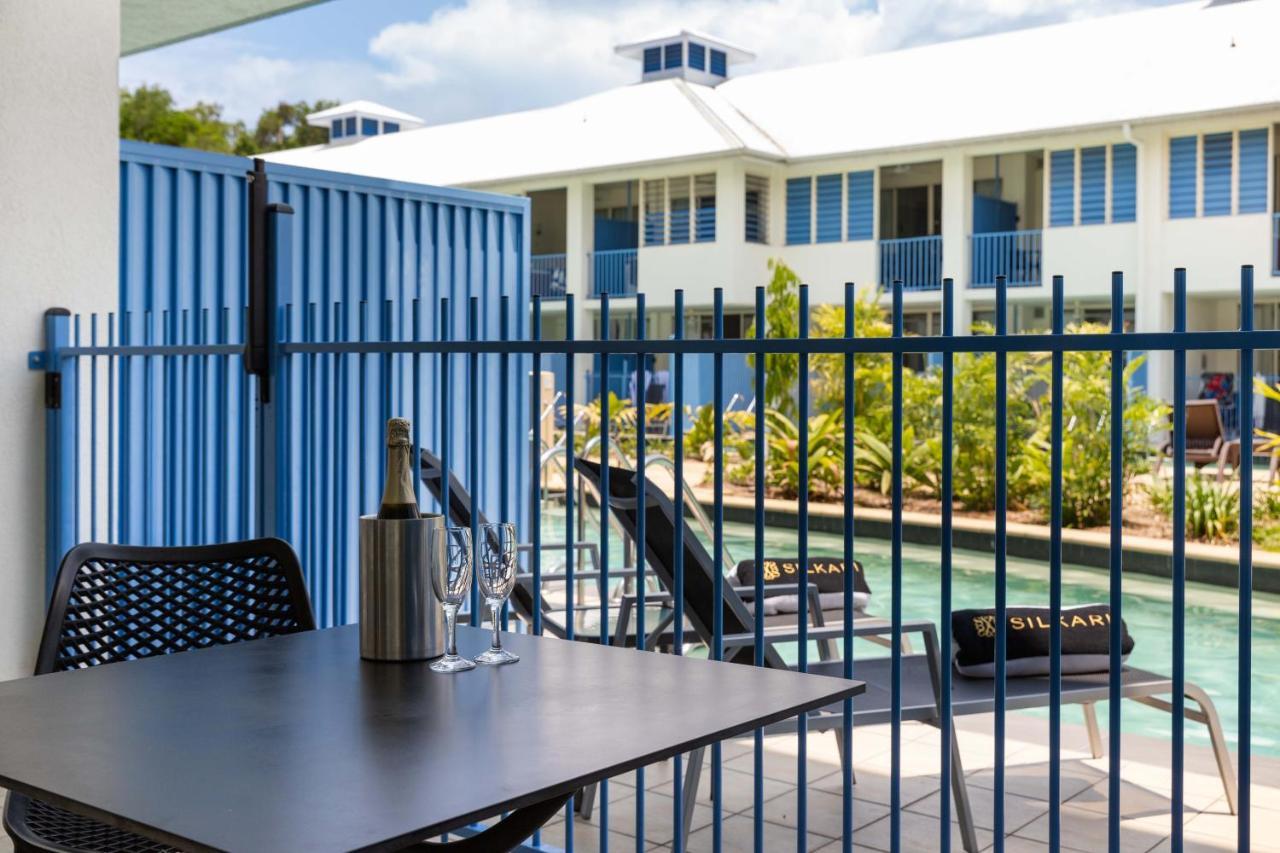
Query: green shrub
[
  {"x": 1213, "y": 509},
  {"x": 782, "y": 320},
  {"x": 1086, "y": 434}
]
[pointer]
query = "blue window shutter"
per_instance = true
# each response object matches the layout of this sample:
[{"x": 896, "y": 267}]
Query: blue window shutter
[
  {"x": 704, "y": 200},
  {"x": 1093, "y": 185},
  {"x": 828, "y": 230},
  {"x": 335, "y": 131},
  {"x": 652, "y": 59},
  {"x": 719, "y": 63},
  {"x": 673, "y": 55},
  {"x": 861, "y": 205},
  {"x": 1217, "y": 174},
  {"x": 697, "y": 56},
  {"x": 1062, "y": 187},
  {"x": 655, "y": 212},
  {"x": 799, "y": 191},
  {"x": 368, "y": 127},
  {"x": 1252, "y": 191},
  {"x": 1124, "y": 182},
  {"x": 390, "y": 127},
  {"x": 1182, "y": 177},
  {"x": 351, "y": 125}
]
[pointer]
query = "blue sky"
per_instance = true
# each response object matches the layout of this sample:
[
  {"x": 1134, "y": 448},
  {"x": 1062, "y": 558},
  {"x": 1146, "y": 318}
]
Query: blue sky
[{"x": 447, "y": 60}]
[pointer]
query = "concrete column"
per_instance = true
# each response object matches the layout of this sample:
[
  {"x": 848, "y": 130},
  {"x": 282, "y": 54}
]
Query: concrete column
[
  {"x": 1152, "y": 307},
  {"x": 59, "y": 214},
  {"x": 579, "y": 234},
  {"x": 957, "y": 202}
]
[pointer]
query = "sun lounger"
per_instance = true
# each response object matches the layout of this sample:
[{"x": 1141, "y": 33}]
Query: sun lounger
[{"x": 920, "y": 696}]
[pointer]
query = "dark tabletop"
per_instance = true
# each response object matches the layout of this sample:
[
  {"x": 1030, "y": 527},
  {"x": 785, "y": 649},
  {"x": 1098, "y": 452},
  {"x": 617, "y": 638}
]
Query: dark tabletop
[{"x": 294, "y": 743}]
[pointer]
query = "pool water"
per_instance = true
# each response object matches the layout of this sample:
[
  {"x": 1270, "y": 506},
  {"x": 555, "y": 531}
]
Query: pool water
[
  {"x": 1211, "y": 622},
  {"x": 1211, "y": 618}
]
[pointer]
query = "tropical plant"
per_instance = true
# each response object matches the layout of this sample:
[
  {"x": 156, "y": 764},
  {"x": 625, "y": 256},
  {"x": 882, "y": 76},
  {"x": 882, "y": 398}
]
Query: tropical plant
[
  {"x": 1086, "y": 437},
  {"x": 699, "y": 438},
  {"x": 782, "y": 320},
  {"x": 873, "y": 463},
  {"x": 826, "y": 454},
  {"x": 1212, "y": 508}
]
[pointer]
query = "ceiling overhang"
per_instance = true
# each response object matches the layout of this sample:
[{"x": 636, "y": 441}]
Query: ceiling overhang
[{"x": 147, "y": 24}]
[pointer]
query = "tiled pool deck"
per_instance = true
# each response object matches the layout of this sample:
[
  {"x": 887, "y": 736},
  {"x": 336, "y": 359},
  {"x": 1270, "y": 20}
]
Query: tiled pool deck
[{"x": 1209, "y": 825}]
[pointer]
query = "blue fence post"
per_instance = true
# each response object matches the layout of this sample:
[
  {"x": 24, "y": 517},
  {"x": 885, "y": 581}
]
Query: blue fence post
[
  {"x": 271, "y": 425},
  {"x": 60, "y": 439}
]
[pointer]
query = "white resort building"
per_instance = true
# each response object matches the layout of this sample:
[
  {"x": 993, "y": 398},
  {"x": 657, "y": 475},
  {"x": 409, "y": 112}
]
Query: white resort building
[{"x": 1138, "y": 142}]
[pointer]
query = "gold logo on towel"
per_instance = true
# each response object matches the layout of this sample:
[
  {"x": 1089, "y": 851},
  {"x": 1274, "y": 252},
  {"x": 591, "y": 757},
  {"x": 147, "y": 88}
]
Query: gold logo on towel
[{"x": 985, "y": 625}]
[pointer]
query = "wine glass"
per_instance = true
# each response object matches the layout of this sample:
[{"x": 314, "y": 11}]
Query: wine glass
[
  {"x": 497, "y": 577},
  {"x": 451, "y": 578}
]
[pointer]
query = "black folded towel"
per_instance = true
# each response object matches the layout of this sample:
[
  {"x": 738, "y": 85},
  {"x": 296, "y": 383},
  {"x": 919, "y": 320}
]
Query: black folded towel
[
  {"x": 827, "y": 573},
  {"x": 1085, "y": 640}
]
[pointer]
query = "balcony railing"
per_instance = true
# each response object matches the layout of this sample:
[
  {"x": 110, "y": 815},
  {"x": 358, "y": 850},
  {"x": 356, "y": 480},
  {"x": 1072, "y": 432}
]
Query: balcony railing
[
  {"x": 613, "y": 271},
  {"x": 546, "y": 273},
  {"x": 915, "y": 261},
  {"x": 1012, "y": 254}
]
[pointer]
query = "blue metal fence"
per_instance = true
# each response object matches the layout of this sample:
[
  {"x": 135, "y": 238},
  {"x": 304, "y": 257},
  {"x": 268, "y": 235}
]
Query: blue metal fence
[
  {"x": 431, "y": 329},
  {"x": 614, "y": 272},
  {"x": 914, "y": 261},
  {"x": 180, "y": 438},
  {"x": 1012, "y": 254}
]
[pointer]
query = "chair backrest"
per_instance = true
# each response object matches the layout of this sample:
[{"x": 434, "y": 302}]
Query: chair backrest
[
  {"x": 122, "y": 602},
  {"x": 1204, "y": 421},
  {"x": 459, "y": 514},
  {"x": 659, "y": 549}
]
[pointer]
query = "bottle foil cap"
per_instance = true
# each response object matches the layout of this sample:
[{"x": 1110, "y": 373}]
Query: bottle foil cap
[{"x": 398, "y": 432}]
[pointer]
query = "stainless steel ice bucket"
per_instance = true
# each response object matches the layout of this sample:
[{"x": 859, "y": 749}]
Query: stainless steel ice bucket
[{"x": 400, "y": 616}]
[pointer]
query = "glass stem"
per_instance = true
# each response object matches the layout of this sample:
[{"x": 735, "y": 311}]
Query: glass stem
[
  {"x": 451, "y": 630},
  {"x": 497, "y": 640}
]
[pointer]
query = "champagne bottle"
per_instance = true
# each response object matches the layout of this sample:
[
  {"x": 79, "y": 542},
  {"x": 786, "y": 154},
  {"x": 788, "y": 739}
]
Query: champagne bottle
[{"x": 398, "y": 497}]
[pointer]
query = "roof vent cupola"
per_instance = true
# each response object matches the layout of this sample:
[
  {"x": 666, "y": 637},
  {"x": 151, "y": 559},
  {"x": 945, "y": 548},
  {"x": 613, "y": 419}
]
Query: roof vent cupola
[
  {"x": 356, "y": 120},
  {"x": 686, "y": 54}
]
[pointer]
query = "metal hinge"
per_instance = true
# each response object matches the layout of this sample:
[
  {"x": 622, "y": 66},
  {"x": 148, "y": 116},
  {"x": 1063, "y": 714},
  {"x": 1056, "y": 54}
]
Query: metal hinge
[{"x": 52, "y": 390}]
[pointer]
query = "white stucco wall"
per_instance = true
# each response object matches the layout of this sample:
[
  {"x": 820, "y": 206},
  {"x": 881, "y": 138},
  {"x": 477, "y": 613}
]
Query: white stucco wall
[{"x": 58, "y": 218}]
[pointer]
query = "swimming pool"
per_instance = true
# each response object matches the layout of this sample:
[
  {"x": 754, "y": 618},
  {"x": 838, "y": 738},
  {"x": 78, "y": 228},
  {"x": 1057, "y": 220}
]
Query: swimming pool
[
  {"x": 1211, "y": 618},
  {"x": 1211, "y": 621}
]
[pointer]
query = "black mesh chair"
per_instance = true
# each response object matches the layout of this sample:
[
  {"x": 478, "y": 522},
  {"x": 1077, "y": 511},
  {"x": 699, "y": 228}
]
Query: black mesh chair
[{"x": 116, "y": 603}]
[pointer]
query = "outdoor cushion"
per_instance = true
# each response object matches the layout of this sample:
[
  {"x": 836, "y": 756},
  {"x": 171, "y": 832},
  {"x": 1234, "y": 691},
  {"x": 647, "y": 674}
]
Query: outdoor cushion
[
  {"x": 1085, "y": 640},
  {"x": 827, "y": 573}
]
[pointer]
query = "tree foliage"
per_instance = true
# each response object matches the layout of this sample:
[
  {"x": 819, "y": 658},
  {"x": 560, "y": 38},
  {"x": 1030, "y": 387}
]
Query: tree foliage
[
  {"x": 782, "y": 320},
  {"x": 150, "y": 114}
]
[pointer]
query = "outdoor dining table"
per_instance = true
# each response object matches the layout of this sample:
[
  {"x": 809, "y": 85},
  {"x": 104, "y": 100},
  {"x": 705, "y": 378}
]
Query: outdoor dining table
[{"x": 295, "y": 743}]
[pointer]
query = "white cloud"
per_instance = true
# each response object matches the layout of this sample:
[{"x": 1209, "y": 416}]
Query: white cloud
[{"x": 482, "y": 57}]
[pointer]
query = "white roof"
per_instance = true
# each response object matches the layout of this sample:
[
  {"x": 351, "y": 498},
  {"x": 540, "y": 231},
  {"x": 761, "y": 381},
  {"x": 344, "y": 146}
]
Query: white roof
[
  {"x": 1178, "y": 60},
  {"x": 663, "y": 120},
  {"x": 369, "y": 108}
]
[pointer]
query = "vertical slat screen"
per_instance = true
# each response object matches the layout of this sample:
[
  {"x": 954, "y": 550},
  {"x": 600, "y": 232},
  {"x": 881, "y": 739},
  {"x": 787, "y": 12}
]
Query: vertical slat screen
[
  {"x": 678, "y": 190},
  {"x": 1252, "y": 190},
  {"x": 799, "y": 210},
  {"x": 704, "y": 194},
  {"x": 655, "y": 212},
  {"x": 1062, "y": 187},
  {"x": 756, "y": 226},
  {"x": 828, "y": 208},
  {"x": 1217, "y": 173},
  {"x": 861, "y": 214},
  {"x": 1124, "y": 182},
  {"x": 1093, "y": 185},
  {"x": 1183, "y": 154}
]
